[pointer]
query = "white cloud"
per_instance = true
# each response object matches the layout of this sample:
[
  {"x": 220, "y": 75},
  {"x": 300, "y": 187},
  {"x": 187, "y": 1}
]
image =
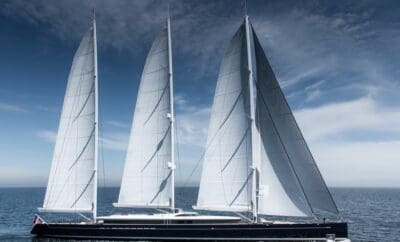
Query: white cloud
[
  {"x": 192, "y": 124},
  {"x": 132, "y": 25},
  {"x": 193, "y": 127},
  {"x": 366, "y": 164},
  {"x": 117, "y": 141},
  {"x": 354, "y": 162},
  {"x": 12, "y": 108},
  {"x": 47, "y": 109},
  {"x": 344, "y": 48},
  {"x": 117, "y": 124},
  {"x": 47, "y": 135},
  {"x": 336, "y": 119}
]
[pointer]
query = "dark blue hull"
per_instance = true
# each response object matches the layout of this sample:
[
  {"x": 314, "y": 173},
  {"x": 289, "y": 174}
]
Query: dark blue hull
[{"x": 240, "y": 231}]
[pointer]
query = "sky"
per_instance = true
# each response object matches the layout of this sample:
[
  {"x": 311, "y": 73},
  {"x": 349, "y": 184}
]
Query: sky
[{"x": 337, "y": 62}]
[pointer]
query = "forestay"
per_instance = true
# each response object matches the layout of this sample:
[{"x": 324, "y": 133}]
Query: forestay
[
  {"x": 290, "y": 182},
  {"x": 226, "y": 175},
  {"x": 71, "y": 181},
  {"x": 147, "y": 175}
]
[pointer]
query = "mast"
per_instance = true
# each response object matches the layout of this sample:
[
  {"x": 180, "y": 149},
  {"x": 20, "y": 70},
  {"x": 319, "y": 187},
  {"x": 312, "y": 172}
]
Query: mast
[
  {"x": 252, "y": 118},
  {"x": 171, "y": 117},
  {"x": 96, "y": 119}
]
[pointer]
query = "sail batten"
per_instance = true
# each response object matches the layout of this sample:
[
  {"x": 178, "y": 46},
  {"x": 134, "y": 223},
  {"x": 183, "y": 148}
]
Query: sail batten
[
  {"x": 71, "y": 183},
  {"x": 147, "y": 177}
]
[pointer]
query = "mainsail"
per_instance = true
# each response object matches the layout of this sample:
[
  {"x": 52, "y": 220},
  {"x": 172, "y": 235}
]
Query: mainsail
[
  {"x": 287, "y": 181},
  {"x": 226, "y": 176},
  {"x": 148, "y": 174},
  {"x": 72, "y": 181}
]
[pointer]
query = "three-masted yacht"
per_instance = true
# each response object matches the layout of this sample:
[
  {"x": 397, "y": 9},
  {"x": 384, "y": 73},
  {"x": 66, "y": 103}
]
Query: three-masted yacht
[{"x": 256, "y": 160}]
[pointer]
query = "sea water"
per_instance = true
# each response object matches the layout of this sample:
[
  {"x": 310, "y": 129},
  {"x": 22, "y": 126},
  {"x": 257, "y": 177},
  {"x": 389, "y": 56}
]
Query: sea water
[{"x": 373, "y": 214}]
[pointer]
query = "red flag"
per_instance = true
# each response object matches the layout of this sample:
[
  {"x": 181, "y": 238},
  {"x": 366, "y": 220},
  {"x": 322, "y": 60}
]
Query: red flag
[{"x": 36, "y": 220}]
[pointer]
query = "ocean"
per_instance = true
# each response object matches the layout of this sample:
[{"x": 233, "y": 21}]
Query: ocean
[{"x": 373, "y": 214}]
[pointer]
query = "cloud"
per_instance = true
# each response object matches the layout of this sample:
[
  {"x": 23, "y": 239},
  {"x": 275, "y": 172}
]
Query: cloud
[
  {"x": 117, "y": 124},
  {"x": 12, "y": 108},
  {"x": 116, "y": 141},
  {"x": 355, "y": 143},
  {"x": 348, "y": 49},
  {"x": 47, "y": 109},
  {"x": 191, "y": 122},
  {"x": 197, "y": 27},
  {"x": 47, "y": 135},
  {"x": 360, "y": 163},
  {"x": 341, "y": 120}
]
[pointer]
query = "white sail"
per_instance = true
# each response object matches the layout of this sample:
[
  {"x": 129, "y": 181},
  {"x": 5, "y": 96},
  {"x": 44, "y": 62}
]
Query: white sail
[
  {"x": 290, "y": 182},
  {"x": 146, "y": 180},
  {"x": 71, "y": 184},
  {"x": 226, "y": 175}
]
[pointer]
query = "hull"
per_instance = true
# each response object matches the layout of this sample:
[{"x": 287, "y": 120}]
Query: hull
[{"x": 240, "y": 231}]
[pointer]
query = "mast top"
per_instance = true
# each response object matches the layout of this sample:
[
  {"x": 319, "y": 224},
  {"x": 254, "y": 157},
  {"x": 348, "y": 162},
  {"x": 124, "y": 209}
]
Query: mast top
[
  {"x": 245, "y": 8},
  {"x": 94, "y": 14},
  {"x": 168, "y": 10}
]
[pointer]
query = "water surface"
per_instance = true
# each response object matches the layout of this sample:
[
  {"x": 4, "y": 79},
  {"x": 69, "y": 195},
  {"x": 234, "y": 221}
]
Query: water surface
[{"x": 373, "y": 214}]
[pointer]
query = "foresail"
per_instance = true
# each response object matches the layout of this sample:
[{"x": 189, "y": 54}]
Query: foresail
[
  {"x": 290, "y": 182},
  {"x": 70, "y": 185},
  {"x": 146, "y": 179},
  {"x": 226, "y": 175}
]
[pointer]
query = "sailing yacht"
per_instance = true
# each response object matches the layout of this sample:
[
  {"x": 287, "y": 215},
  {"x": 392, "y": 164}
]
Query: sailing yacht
[{"x": 256, "y": 163}]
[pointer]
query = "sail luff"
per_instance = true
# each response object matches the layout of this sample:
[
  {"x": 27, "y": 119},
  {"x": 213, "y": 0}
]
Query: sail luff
[
  {"x": 252, "y": 119},
  {"x": 172, "y": 115},
  {"x": 96, "y": 119}
]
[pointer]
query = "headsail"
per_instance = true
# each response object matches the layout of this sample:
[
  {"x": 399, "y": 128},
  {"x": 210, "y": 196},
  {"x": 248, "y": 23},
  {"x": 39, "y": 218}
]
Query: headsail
[
  {"x": 280, "y": 192},
  {"x": 286, "y": 158},
  {"x": 146, "y": 181},
  {"x": 226, "y": 176},
  {"x": 71, "y": 184}
]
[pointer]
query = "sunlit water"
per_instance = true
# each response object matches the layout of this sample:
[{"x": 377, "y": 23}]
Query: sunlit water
[{"x": 373, "y": 214}]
